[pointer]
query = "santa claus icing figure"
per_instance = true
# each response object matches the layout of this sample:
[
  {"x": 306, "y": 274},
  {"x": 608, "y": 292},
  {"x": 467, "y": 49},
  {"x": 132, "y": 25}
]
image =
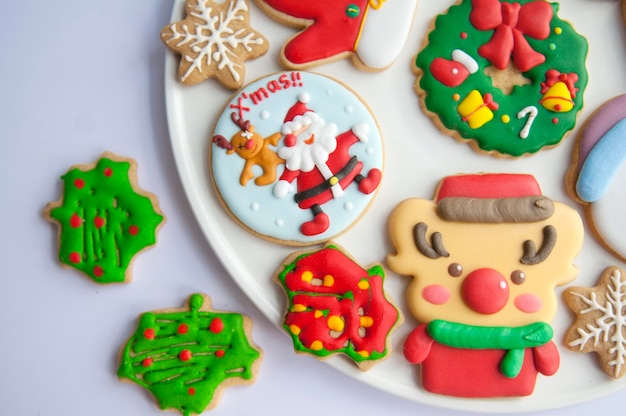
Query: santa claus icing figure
[{"x": 318, "y": 159}]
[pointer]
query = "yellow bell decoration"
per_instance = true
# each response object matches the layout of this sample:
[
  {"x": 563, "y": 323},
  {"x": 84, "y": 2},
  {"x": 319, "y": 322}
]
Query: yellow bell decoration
[
  {"x": 477, "y": 109},
  {"x": 557, "y": 98}
]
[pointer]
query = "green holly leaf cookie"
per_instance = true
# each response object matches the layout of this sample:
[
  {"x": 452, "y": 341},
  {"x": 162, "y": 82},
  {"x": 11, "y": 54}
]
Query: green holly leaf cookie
[
  {"x": 184, "y": 357},
  {"x": 104, "y": 218}
]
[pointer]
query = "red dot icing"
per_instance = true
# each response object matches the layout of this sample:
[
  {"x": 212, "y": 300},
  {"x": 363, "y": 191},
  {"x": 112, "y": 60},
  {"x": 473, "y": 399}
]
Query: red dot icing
[
  {"x": 149, "y": 333},
  {"x": 75, "y": 221},
  {"x": 183, "y": 329},
  {"x": 97, "y": 271},
  {"x": 555, "y": 120},
  {"x": 79, "y": 183},
  {"x": 216, "y": 326},
  {"x": 219, "y": 353},
  {"x": 108, "y": 172},
  {"x": 185, "y": 355},
  {"x": 191, "y": 391},
  {"x": 147, "y": 362},
  {"x": 98, "y": 222},
  {"x": 133, "y": 230},
  {"x": 75, "y": 257},
  {"x": 463, "y": 35}
]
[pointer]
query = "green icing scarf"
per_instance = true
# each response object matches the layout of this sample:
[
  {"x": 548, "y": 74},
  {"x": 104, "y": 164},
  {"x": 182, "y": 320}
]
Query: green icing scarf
[{"x": 512, "y": 339}]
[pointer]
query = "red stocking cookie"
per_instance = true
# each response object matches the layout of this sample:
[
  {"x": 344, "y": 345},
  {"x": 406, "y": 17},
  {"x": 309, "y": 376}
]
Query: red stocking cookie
[{"x": 373, "y": 31}]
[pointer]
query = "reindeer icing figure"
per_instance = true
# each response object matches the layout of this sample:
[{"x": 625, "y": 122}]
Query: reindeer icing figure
[
  {"x": 485, "y": 257},
  {"x": 254, "y": 149}
]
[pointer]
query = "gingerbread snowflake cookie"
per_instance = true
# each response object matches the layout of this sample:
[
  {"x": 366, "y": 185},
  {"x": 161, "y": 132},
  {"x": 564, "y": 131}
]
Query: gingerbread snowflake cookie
[
  {"x": 214, "y": 40},
  {"x": 372, "y": 32},
  {"x": 185, "y": 357},
  {"x": 104, "y": 218},
  {"x": 600, "y": 320}
]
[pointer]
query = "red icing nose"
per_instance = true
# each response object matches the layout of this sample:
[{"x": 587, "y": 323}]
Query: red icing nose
[
  {"x": 485, "y": 291},
  {"x": 290, "y": 140},
  {"x": 249, "y": 144}
]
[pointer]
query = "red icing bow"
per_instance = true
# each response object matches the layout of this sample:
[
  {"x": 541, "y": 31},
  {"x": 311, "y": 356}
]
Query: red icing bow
[
  {"x": 511, "y": 22},
  {"x": 553, "y": 76}
]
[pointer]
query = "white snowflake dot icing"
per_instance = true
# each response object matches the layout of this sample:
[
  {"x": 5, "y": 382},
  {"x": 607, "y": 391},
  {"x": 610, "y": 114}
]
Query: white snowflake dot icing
[
  {"x": 600, "y": 321},
  {"x": 214, "y": 39}
]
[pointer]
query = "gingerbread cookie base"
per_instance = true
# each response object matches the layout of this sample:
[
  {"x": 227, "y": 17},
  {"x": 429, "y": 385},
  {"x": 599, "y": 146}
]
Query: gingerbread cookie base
[
  {"x": 104, "y": 218},
  {"x": 186, "y": 357},
  {"x": 600, "y": 318}
]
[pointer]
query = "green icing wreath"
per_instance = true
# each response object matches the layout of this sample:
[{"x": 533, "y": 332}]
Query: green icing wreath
[{"x": 542, "y": 105}]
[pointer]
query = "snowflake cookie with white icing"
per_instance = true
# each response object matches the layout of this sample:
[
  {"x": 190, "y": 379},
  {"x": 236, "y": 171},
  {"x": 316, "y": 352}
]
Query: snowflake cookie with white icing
[
  {"x": 296, "y": 158},
  {"x": 506, "y": 76},
  {"x": 600, "y": 320},
  {"x": 214, "y": 40}
]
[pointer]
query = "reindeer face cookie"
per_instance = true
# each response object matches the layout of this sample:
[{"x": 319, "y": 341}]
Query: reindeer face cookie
[
  {"x": 296, "y": 157},
  {"x": 485, "y": 257}
]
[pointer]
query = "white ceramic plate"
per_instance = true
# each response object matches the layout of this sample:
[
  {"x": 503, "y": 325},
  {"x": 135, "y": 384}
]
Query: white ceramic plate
[{"x": 417, "y": 156}]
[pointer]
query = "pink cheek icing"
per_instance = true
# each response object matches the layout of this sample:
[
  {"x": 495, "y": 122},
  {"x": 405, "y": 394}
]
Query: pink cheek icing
[
  {"x": 528, "y": 303},
  {"x": 436, "y": 294}
]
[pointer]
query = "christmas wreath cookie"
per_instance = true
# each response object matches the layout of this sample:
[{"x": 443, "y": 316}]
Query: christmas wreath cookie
[
  {"x": 186, "y": 357},
  {"x": 507, "y": 76},
  {"x": 600, "y": 324},
  {"x": 485, "y": 257},
  {"x": 373, "y": 32},
  {"x": 336, "y": 306},
  {"x": 596, "y": 177},
  {"x": 104, "y": 218},
  {"x": 296, "y": 157},
  {"x": 214, "y": 40}
]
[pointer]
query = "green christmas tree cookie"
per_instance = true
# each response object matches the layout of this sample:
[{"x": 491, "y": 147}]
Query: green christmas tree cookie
[
  {"x": 185, "y": 357},
  {"x": 104, "y": 218}
]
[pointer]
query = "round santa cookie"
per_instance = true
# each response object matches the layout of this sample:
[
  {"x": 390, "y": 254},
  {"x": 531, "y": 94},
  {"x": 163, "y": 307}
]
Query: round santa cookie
[
  {"x": 186, "y": 357},
  {"x": 335, "y": 306},
  {"x": 597, "y": 175},
  {"x": 372, "y": 32},
  {"x": 507, "y": 77},
  {"x": 296, "y": 158}
]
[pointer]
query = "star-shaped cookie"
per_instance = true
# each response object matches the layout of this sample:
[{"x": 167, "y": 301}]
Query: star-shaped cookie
[
  {"x": 600, "y": 324},
  {"x": 214, "y": 40}
]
